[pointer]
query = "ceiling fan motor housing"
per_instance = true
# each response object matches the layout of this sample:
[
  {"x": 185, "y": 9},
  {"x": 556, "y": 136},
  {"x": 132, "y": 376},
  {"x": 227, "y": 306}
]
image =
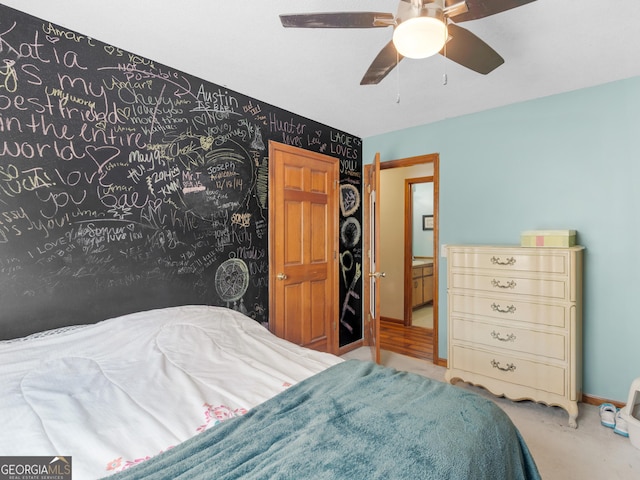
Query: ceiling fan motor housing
[{"x": 420, "y": 8}]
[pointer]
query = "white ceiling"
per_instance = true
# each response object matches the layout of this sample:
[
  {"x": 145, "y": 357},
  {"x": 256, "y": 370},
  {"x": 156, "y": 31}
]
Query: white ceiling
[{"x": 549, "y": 46}]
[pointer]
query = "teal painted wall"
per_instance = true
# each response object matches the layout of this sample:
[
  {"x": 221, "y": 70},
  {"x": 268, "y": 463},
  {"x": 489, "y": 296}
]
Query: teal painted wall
[{"x": 568, "y": 161}]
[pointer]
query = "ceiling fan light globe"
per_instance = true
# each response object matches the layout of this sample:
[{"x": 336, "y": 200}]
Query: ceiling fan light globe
[{"x": 420, "y": 37}]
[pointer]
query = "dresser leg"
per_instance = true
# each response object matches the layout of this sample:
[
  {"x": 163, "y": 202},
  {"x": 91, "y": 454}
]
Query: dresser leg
[
  {"x": 449, "y": 378},
  {"x": 573, "y": 415}
]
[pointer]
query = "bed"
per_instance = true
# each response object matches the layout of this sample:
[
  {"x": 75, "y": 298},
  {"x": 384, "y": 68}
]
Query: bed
[{"x": 199, "y": 392}]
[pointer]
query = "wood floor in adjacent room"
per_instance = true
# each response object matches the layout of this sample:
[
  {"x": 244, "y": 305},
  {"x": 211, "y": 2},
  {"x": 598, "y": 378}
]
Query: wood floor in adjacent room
[{"x": 415, "y": 342}]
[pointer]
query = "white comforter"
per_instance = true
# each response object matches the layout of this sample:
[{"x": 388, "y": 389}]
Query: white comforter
[{"x": 118, "y": 392}]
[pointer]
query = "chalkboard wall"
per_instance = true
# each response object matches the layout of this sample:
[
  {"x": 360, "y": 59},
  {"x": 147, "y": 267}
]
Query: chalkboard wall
[{"x": 127, "y": 185}]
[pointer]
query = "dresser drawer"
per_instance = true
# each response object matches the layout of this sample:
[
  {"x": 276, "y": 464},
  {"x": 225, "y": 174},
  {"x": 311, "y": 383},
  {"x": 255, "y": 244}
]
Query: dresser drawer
[
  {"x": 511, "y": 260},
  {"x": 539, "y": 376},
  {"x": 546, "y": 344},
  {"x": 511, "y": 285},
  {"x": 512, "y": 309}
]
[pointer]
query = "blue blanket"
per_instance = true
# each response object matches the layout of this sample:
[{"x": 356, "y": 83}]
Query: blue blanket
[{"x": 356, "y": 420}]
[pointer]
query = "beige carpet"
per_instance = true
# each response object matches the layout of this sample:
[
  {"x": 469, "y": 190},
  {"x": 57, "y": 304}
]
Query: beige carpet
[{"x": 590, "y": 452}]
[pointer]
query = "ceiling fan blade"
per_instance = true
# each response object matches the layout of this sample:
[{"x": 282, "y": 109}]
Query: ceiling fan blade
[
  {"x": 386, "y": 61},
  {"x": 469, "y": 51},
  {"x": 485, "y": 8},
  {"x": 338, "y": 20}
]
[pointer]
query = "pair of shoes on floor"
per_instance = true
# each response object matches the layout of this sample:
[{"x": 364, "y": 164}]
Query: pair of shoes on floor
[{"x": 612, "y": 417}]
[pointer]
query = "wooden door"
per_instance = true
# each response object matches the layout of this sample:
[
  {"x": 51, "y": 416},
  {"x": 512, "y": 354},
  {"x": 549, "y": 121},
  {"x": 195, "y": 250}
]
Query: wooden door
[
  {"x": 372, "y": 257},
  {"x": 303, "y": 238}
]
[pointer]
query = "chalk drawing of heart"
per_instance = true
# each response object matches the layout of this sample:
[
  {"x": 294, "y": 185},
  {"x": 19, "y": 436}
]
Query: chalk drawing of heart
[{"x": 102, "y": 155}]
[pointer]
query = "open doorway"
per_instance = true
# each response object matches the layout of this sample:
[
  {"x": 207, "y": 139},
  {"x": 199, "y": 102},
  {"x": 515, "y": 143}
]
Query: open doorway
[
  {"x": 400, "y": 291},
  {"x": 419, "y": 249}
]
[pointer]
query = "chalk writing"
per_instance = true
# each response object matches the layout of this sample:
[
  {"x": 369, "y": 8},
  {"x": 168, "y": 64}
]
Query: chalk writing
[{"x": 127, "y": 185}]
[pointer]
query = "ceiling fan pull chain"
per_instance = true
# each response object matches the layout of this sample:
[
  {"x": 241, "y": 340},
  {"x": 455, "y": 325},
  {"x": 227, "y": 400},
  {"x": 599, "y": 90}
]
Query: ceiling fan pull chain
[
  {"x": 398, "y": 76},
  {"x": 444, "y": 75}
]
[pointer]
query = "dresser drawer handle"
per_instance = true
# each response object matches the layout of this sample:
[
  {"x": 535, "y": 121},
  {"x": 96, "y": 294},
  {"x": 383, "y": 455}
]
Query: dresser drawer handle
[
  {"x": 509, "y": 338},
  {"x": 509, "y": 284},
  {"x": 508, "y": 261},
  {"x": 496, "y": 308},
  {"x": 509, "y": 368}
]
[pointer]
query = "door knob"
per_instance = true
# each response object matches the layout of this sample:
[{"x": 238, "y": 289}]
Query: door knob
[
  {"x": 281, "y": 276},
  {"x": 378, "y": 275}
]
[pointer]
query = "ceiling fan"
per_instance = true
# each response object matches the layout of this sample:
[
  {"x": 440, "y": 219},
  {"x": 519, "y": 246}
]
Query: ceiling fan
[{"x": 421, "y": 28}]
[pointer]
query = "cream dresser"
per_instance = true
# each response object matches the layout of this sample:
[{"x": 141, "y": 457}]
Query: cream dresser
[{"x": 515, "y": 322}]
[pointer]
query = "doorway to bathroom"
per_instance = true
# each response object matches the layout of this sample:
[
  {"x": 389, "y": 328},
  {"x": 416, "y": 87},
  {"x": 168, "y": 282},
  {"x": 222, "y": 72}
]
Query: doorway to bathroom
[{"x": 419, "y": 246}]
